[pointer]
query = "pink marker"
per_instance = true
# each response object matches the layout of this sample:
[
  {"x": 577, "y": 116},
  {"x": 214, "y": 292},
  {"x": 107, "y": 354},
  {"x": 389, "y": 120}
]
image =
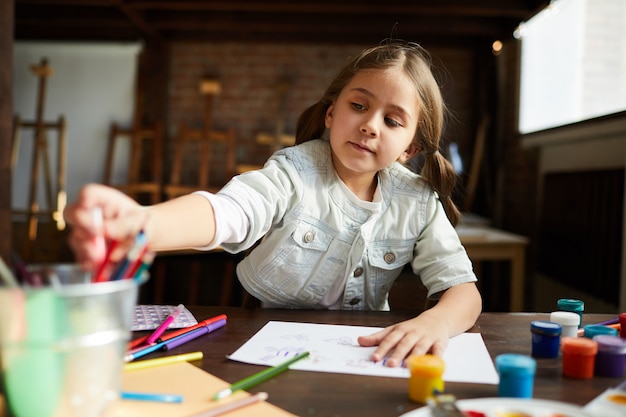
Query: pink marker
[{"x": 161, "y": 329}]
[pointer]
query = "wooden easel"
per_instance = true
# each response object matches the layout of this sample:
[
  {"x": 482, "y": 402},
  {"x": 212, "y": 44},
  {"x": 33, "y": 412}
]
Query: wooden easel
[
  {"x": 146, "y": 145},
  {"x": 205, "y": 138},
  {"x": 41, "y": 154},
  {"x": 279, "y": 139}
]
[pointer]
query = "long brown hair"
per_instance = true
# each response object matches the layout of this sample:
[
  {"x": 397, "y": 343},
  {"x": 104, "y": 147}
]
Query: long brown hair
[{"x": 416, "y": 61}]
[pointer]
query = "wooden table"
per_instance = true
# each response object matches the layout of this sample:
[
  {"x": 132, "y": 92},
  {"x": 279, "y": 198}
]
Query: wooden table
[
  {"x": 338, "y": 395},
  {"x": 484, "y": 243}
]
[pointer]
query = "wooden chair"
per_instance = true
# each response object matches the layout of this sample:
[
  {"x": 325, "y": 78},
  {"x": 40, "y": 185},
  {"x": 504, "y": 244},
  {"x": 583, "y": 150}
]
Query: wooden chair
[
  {"x": 200, "y": 156},
  {"x": 139, "y": 138},
  {"x": 197, "y": 155}
]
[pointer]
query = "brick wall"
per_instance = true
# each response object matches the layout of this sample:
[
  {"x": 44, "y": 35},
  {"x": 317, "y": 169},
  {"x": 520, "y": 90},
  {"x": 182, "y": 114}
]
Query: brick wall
[{"x": 249, "y": 73}]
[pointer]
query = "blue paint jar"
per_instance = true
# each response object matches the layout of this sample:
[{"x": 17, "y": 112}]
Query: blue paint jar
[
  {"x": 546, "y": 338},
  {"x": 611, "y": 356},
  {"x": 573, "y": 305},
  {"x": 517, "y": 375},
  {"x": 593, "y": 330}
]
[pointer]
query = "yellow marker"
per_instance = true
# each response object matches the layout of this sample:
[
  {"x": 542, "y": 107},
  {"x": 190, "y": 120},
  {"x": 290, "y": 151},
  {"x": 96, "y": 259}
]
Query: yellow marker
[{"x": 150, "y": 363}]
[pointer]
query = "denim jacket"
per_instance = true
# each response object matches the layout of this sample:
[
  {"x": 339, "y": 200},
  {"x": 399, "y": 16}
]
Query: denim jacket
[{"x": 313, "y": 235}]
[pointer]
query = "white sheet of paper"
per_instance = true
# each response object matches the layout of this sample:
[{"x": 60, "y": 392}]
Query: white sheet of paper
[{"x": 334, "y": 348}]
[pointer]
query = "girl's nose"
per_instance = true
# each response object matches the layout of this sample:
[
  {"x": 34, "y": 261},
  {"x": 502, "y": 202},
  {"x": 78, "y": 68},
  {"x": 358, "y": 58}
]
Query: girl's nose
[{"x": 369, "y": 127}]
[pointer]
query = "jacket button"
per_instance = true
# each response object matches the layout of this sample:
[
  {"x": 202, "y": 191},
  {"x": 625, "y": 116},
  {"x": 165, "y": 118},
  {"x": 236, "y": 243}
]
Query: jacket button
[
  {"x": 389, "y": 257},
  {"x": 355, "y": 301},
  {"x": 358, "y": 272},
  {"x": 308, "y": 237}
]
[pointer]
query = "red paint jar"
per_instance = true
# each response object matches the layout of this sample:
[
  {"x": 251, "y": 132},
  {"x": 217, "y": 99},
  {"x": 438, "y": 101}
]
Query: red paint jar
[{"x": 579, "y": 355}]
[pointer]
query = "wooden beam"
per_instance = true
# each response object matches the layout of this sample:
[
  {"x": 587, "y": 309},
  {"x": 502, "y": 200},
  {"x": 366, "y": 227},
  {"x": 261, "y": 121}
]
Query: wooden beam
[{"x": 137, "y": 20}]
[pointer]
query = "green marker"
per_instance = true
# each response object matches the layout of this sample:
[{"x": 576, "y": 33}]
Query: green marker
[{"x": 259, "y": 377}]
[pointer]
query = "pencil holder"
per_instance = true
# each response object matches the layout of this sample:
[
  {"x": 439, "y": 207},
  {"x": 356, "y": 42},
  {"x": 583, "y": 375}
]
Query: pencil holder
[
  {"x": 569, "y": 322},
  {"x": 517, "y": 375},
  {"x": 611, "y": 356},
  {"x": 573, "y": 305},
  {"x": 579, "y": 355},
  {"x": 65, "y": 342},
  {"x": 425, "y": 378},
  {"x": 546, "y": 336}
]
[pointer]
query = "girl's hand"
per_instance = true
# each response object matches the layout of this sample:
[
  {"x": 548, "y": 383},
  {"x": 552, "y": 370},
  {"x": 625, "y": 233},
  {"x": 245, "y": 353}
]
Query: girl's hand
[
  {"x": 425, "y": 333},
  {"x": 122, "y": 218},
  {"x": 455, "y": 312}
]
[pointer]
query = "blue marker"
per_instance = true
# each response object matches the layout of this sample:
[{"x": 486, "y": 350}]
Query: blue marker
[{"x": 146, "y": 396}]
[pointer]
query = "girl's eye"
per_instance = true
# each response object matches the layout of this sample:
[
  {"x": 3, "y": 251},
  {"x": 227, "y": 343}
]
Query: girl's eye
[
  {"x": 358, "y": 106},
  {"x": 392, "y": 122}
]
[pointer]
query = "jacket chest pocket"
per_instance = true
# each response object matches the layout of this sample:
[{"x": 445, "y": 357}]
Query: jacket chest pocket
[
  {"x": 310, "y": 237},
  {"x": 387, "y": 259},
  {"x": 389, "y": 256}
]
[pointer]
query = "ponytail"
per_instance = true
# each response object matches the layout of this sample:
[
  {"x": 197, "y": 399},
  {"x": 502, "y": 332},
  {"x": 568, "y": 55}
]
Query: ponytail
[
  {"x": 438, "y": 171},
  {"x": 311, "y": 123}
]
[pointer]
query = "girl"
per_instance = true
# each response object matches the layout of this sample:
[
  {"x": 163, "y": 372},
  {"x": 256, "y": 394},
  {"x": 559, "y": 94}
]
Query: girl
[{"x": 338, "y": 216}]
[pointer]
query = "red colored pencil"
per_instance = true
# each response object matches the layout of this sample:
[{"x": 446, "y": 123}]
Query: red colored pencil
[{"x": 102, "y": 274}]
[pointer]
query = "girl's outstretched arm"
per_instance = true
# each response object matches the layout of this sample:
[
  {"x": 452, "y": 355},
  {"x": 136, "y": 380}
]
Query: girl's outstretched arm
[
  {"x": 455, "y": 312},
  {"x": 184, "y": 222}
]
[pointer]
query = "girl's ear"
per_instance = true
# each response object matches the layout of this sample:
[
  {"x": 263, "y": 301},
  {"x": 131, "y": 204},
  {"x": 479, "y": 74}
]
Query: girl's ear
[
  {"x": 329, "y": 115},
  {"x": 409, "y": 153}
]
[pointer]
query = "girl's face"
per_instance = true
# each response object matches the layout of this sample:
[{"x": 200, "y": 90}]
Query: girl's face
[{"x": 373, "y": 122}]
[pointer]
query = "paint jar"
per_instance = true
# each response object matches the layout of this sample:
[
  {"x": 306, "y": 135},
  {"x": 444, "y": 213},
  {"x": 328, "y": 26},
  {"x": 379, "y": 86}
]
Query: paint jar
[
  {"x": 611, "y": 356},
  {"x": 593, "y": 330},
  {"x": 546, "y": 337},
  {"x": 569, "y": 322},
  {"x": 622, "y": 324},
  {"x": 517, "y": 374},
  {"x": 426, "y": 376},
  {"x": 579, "y": 355},
  {"x": 570, "y": 304}
]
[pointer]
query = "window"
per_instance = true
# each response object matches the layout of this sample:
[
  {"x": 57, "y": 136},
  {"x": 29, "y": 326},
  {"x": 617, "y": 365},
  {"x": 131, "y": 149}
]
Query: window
[{"x": 573, "y": 63}]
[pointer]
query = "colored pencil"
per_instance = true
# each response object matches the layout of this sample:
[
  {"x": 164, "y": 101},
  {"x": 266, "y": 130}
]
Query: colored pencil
[
  {"x": 146, "y": 262},
  {"x": 133, "y": 256},
  {"x": 233, "y": 405},
  {"x": 137, "y": 342},
  {"x": 259, "y": 377},
  {"x": 101, "y": 273},
  {"x": 166, "y": 360},
  {"x": 99, "y": 241}
]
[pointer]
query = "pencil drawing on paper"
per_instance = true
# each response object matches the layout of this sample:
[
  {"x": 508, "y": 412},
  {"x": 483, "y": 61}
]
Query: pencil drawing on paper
[{"x": 335, "y": 349}]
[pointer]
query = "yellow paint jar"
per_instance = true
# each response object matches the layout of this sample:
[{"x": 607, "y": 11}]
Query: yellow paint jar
[{"x": 426, "y": 376}]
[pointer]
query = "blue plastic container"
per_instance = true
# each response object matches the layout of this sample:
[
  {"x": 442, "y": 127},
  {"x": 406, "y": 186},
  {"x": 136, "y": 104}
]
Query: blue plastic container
[
  {"x": 593, "y": 330},
  {"x": 517, "y": 375},
  {"x": 546, "y": 338}
]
